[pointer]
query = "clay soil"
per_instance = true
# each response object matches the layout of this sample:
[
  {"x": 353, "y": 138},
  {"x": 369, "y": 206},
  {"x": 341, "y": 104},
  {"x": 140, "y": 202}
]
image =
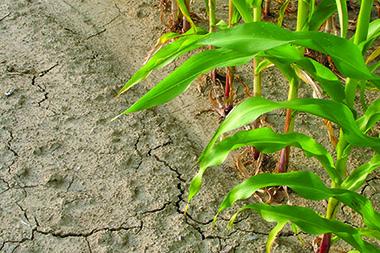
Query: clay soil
[{"x": 72, "y": 180}]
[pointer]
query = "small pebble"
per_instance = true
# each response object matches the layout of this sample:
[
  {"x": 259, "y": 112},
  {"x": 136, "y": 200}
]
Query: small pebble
[
  {"x": 252, "y": 237},
  {"x": 9, "y": 92}
]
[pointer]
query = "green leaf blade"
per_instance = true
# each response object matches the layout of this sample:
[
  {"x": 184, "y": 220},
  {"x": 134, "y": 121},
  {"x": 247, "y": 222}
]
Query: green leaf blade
[
  {"x": 179, "y": 80},
  {"x": 163, "y": 57},
  {"x": 267, "y": 141},
  {"x": 245, "y": 10},
  {"x": 310, "y": 222},
  {"x": 307, "y": 185},
  {"x": 250, "y": 109},
  {"x": 264, "y": 36},
  {"x": 343, "y": 17},
  {"x": 370, "y": 117},
  {"x": 357, "y": 177},
  {"x": 322, "y": 12}
]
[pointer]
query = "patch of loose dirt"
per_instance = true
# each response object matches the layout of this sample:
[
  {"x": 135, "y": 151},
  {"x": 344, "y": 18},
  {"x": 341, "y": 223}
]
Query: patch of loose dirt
[{"x": 73, "y": 181}]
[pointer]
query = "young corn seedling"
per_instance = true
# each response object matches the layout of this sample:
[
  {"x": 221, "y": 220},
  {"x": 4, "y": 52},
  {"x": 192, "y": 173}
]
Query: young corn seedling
[
  {"x": 282, "y": 48},
  {"x": 306, "y": 184}
]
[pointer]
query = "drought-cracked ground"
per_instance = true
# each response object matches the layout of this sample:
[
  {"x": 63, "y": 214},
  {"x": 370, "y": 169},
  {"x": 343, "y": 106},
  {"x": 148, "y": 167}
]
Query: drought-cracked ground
[{"x": 72, "y": 180}]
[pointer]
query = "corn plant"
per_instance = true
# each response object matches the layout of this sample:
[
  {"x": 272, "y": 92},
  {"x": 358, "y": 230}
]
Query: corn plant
[{"x": 269, "y": 44}]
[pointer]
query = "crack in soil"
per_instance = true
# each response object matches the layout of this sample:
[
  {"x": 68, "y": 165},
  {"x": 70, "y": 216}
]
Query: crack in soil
[
  {"x": 160, "y": 209},
  {"x": 8, "y": 185},
  {"x": 367, "y": 184},
  {"x": 180, "y": 199},
  {"x": 15, "y": 154},
  {"x": 96, "y": 34},
  {"x": 41, "y": 88},
  {"x": 70, "y": 183},
  {"x": 114, "y": 18},
  {"x": 102, "y": 28},
  {"x": 25, "y": 214},
  {"x": 19, "y": 242},
  {"x": 136, "y": 144},
  {"x": 36, "y": 228},
  {"x": 342, "y": 209},
  {"x": 158, "y": 147},
  {"x": 88, "y": 245},
  {"x": 138, "y": 151},
  {"x": 92, "y": 232},
  {"x": 16, "y": 185},
  {"x": 6, "y": 15},
  {"x": 118, "y": 9},
  {"x": 71, "y": 234},
  {"x": 44, "y": 72}
]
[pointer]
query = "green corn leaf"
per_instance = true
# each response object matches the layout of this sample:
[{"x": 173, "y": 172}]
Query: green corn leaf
[
  {"x": 311, "y": 9},
  {"x": 179, "y": 80},
  {"x": 322, "y": 12},
  {"x": 356, "y": 179},
  {"x": 288, "y": 55},
  {"x": 343, "y": 17},
  {"x": 350, "y": 90},
  {"x": 374, "y": 84},
  {"x": 310, "y": 222},
  {"x": 374, "y": 30},
  {"x": 371, "y": 233},
  {"x": 244, "y": 7},
  {"x": 163, "y": 57},
  {"x": 247, "y": 40},
  {"x": 307, "y": 185},
  {"x": 252, "y": 37},
  {"x": 295, "y": 229},
  {"x": 222, "y": 25},
  {"x": 267, "y": 141},
  {"x": 263, "y": 65},
  {"x": 185, "y": 12},
  {"x": 168, "y": 36},
  {"x": 250, "y": 109},
  {"x": 373, "y": 34},
  {"x": 273, "y": 234},
  {"x": 235, "y": 16},
  {"x": 370, "y": 117},
  {"x": 327, "y": 80},
  {"x": 281, "y": 13},
  {"x": 255, "y": 3}
]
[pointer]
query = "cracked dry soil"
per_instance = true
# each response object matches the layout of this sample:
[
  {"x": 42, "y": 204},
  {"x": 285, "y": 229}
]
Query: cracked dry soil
[{"x": 73, "y": 181}]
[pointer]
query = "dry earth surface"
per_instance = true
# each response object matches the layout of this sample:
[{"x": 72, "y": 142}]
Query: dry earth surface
[{"x": 73, "y": 181}]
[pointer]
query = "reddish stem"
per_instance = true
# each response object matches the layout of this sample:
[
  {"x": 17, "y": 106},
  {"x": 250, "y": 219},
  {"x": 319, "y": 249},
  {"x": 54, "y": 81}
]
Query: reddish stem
[
  {"x": 256, "y": 154},
  {"x": 284, "y": 160},
  {"x": 229, "y": 77},
  {"x": 288, "y": 120},
  {"x": 266, "y": 11},
  {"x": 185, "y": 25},
  {"x": 284, "y": 155},
  {"x": 325, "y": 244},
  {"x": 213, "y": 76}
]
